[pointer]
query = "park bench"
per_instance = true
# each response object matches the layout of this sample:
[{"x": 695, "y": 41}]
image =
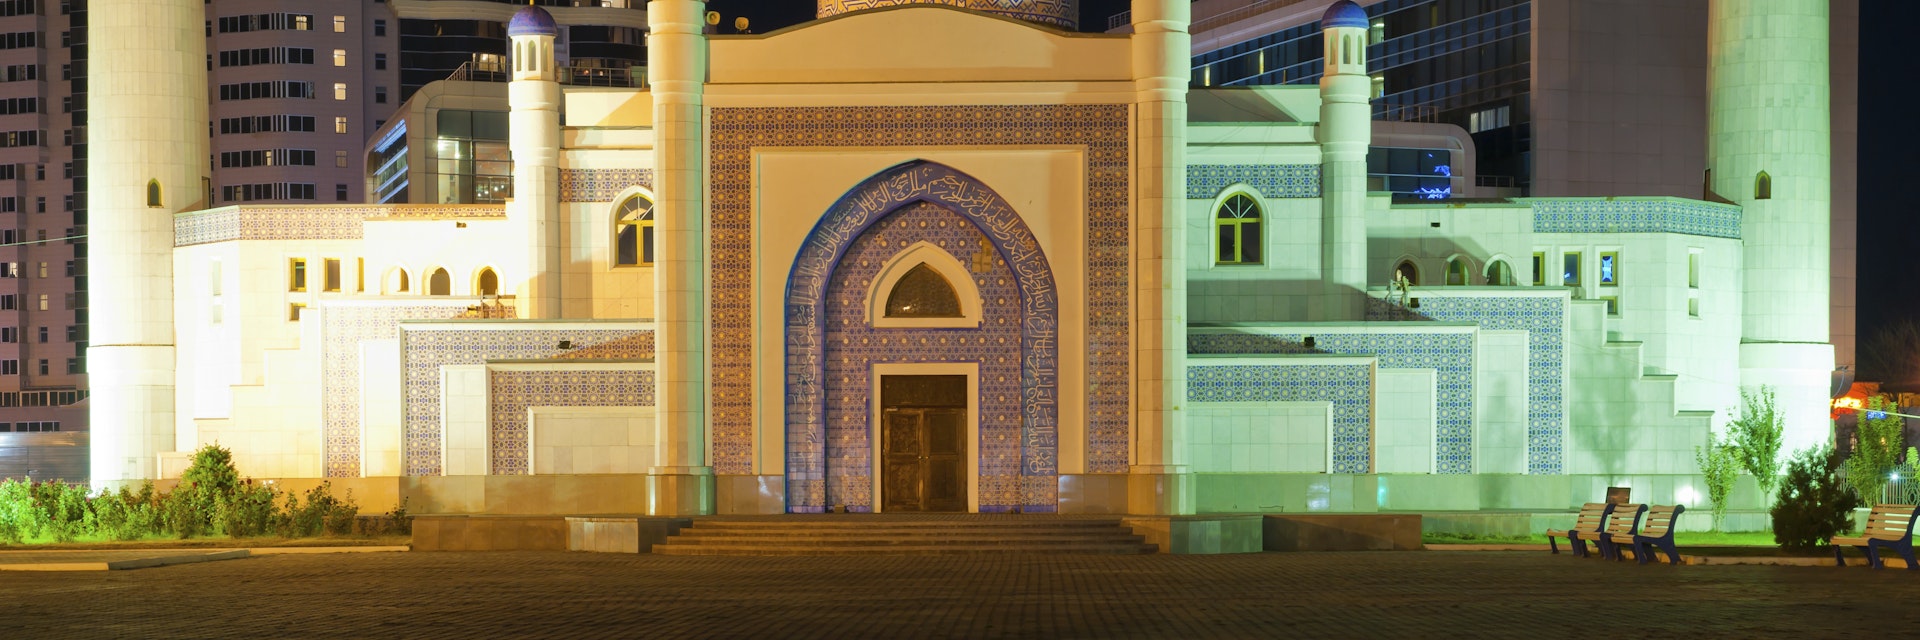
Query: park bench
[
  {"x": 1889, "y": 526},
  {"x": 1624, "y": 519},
  {"x": 1592, "y": 518},
  {"x": 1656, "y": 531}
]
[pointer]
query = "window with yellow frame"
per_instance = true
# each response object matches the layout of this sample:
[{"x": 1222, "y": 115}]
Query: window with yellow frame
[
  {"x": 633, "y": 232},
  {"x": 1237, "y": 224}
]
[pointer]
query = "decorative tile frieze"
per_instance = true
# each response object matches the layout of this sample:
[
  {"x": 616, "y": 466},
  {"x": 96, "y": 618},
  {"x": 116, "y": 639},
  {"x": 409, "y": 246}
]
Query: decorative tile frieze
[
  {"x": 1207, "y": 181},
  {"x": 1635, "y": 215},
  {"x": 601, "y": 185},
  {"x": 511, "y": 393},
  {"x": 311, "y": 222}
]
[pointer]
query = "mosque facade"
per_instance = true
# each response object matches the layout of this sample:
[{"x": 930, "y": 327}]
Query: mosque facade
[{"x": 945, "y": 256}]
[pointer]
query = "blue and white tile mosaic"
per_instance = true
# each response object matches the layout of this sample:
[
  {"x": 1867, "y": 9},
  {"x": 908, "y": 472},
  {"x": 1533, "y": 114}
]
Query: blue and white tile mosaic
[
  {"x": 1636, "y": 215},
  {"x": 316, "y": 222},
  {"x": 832, "y": 348},
  {"x": 510, "y": 393},
  {"x": 1450, "y": 355},
  {"x": 343, "y": 328},
  {"x": 1544, "y": 319},
  {"x": 1348, "y": 387},
  {"x": 1102, "y": 129},
  {"x": 600, "y": 185},
  {"x": 1206, "y": 181},
  {"x": 425, "y": 349}
]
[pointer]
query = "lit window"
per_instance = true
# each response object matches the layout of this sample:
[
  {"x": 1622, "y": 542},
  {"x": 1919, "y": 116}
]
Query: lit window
[
  {"x": 339, "y": 26},
  {"x": 1610, "y": 268},
  {"x": 330, "y": 280},
  {"x": 339, "y": 90},
  {"x": 359, "y": 274},
  {"x": 1237, "y": 224},
  {"x": 633, "y": 232},
  {"x": 339, "y": 124},
  {"x": 297, "y": 274},
  {"x": 1570, "y": 269},
  {"x": 340, "y": 158},
  {"x": 1488, "y": 119},
  {"x": 923, "y": 293},
  {"x": 339, "y": 57}
]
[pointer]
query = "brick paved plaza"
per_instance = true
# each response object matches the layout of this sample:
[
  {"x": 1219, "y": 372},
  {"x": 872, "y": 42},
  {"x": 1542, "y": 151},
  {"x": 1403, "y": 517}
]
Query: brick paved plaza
[{"x": 557, "y": 594}]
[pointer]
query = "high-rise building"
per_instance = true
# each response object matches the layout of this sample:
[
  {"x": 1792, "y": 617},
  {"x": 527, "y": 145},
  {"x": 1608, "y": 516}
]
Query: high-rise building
[{"x": 1566, "y": 98}]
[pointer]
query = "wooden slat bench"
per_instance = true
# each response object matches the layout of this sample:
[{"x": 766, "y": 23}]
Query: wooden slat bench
[
  {"x": 1624, "y": 519},
  {"x": 1592, "y": 518},
  {"x": 1889, "y": 526},
  {"x": 1656, "y": 531}
]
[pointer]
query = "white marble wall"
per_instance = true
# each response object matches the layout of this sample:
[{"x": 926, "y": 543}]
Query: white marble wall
[
  {"x": 1260, "y": 437},
  {"x": 591, "y": 439}
]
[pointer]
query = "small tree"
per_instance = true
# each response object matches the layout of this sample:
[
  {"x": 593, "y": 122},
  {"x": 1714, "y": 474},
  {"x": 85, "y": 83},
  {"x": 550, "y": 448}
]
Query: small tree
[
  {"x": 1813, "y": 504},
  {"x": 1877, "y": 446},
  {"x": 1720, "y": 463},
  {"x": 1756, "y": 435}
]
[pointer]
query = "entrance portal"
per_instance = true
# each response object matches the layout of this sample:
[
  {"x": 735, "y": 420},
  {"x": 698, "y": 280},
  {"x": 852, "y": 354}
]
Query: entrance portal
[{"x": 923, "y": 443}]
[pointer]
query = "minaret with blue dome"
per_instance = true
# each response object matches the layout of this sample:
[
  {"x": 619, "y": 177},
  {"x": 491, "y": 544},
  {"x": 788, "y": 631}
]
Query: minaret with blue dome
[
  {"x": 534, "y": 103},
  {"x": 1344, "y": 132}
]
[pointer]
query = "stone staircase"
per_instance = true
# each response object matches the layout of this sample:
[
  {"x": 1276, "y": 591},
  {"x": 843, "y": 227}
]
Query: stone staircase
[{"x": 899, "y": 534}]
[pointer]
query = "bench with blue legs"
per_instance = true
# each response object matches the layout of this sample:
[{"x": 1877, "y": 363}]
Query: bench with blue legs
[
  {"x": 1624, "y": 519},
  {"x": 1655, "y": 531},
  {"x": 1889, "y": 527},
  {"x": 1592, "y": 519}
]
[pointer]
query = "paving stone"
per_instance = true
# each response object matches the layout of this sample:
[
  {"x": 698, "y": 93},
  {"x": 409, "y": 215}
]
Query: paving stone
[{"x": 1329, "y": 595}]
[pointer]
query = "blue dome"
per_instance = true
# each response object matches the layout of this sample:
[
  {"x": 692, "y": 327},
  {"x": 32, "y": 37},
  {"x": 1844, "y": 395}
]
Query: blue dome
[
  {"x": 535, "y": 21},
  {"x": 1342, "y": 14}
]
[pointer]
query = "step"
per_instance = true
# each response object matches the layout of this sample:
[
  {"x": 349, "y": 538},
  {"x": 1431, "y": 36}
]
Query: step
[
  {"x": 855, "y": 522},
  {"x": 897, "y": 541},
  {"x": 771, "y": 550}
]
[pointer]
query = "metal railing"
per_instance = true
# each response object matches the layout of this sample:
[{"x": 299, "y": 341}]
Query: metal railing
[
  {"x": 1224, "y": 19},
  {"x": 577, "y": 76}
]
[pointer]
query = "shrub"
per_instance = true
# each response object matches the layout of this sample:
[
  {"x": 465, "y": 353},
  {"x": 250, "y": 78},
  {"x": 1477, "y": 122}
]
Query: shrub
[
  {"x": 1813, "y": 504},
  {"x": 19, "y": 519},
  {"x": 1877, "y": 445},
  {"x": 64, "y": 513},
  {"x": 253, "y": 511},
  {"x": 1757, "y": 435},
  {"x": 1720, "y": 463},
  {"x": 323, "y": 513}
]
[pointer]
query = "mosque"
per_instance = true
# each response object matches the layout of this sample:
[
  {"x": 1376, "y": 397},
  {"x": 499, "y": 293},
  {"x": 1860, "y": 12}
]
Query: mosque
[{"x": 945, "y": 256}]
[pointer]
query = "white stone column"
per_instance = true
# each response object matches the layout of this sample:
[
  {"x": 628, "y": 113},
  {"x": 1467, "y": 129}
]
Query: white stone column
[
  {"x": 534, "y": 103},
  {"x": 1768, "y": 111},
  {"x": 677, "y": 70},
  {"x": 1345, "y": 130},
  {"x": 147, "y": 123},
  {"x": 1160, "y": 481}
]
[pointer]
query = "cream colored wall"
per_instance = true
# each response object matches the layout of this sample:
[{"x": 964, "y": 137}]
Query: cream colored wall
[
  {"x": 591, "y": 286},
  {"x": 382, "y": 408},
  {"x": 917, "y": 44},
  {"x": 1500, "y": 399},
  {"x": 1476, "y": 232},
  {"x": 421, "y": 245},
  {"x": 463, "y": 420},
  {"x": 1403, "y": 413},
  {"x": 590, "y": 440}
]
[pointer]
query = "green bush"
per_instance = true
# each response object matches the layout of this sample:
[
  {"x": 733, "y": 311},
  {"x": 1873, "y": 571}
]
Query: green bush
[
  {"x": 1720, "y": 463},
  {"x": 64, "y": 513},
  {"x": 1757, "y": 435},
  {"x": 19, "y": 518},
  {"x": 253, "y": 512},
  {"x": 323, "y": 513},
  {"x": 1813, "y": 504}
]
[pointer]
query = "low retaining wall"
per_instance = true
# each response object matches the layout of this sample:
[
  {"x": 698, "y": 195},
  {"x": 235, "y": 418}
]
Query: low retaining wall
[
  {"x": 621, "y": 534},
  {"x": 1359, "y": 532},
  {"x": 489, "y": 533}
]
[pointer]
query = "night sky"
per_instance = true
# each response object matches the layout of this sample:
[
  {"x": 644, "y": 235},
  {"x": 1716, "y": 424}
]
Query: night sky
[{"x": 1889, "y": 156}]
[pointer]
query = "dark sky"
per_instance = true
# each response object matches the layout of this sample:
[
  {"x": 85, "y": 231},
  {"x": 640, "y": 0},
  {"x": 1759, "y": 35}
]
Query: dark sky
[{"x": 1889, "y": 156}]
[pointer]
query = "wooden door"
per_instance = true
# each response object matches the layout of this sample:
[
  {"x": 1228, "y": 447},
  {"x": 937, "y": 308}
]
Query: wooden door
[{"x": 924, "y": 463}]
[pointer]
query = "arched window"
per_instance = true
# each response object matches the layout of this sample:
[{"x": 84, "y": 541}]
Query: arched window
[
  {"x": 1499, "y": 273},
  {"x": 1763, "y": 186},
  {"x": 1456, "y": 272},
  {"x": 397, "y": 281},
  {"x": 439, "y": 283},
  {"x": 153, "y": 193},
  {"x": 1238, "y": 226},
  {"x": 487, "y": 283},
  {"x": 922, "y": 293},
  {"x": 1406, "y": 271},
  {"x": 633, "y": 232}
]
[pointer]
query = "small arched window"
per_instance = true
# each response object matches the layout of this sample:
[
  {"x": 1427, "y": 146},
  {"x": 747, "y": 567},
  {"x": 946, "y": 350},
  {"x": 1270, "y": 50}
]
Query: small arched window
[
  {"x": 1406, "y": 271},
  {"x": 1763, "y": 186},
  {"x": 397, "y": 281},
  {"x": 633, "y": 232},
  {"x": 439, "y": 283},
  {"x": 922, "y": 293},
  {"x": 488, "y": 283},
  {"x": 153, "y": 193},
  {"x": 1499, "y": 273},
  {"x": 1456, "y": 272},
  {"x": 1237, "y": 224}
]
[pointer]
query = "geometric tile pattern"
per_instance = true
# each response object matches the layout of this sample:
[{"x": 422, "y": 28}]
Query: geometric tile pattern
[
  {"x": 1059, "y": 13},
  {"x": 1016, "y": 406},
  {"x": 1100, "y": 129},
  {"x": 1450, "y": 355},
  {"x": 509, "y": 393},
  {"x": 1206, "y": 181},
  {"x": 1636, "y": 215},
  {"x": 600, "y": 185},
  {"x": 1348, "y": 386},
  {"x": 342, "y": 329},
  {"x": 321, "y": 222},
  {"x": 424, "y": 350},
  {"x": 1544, "y": 319}
]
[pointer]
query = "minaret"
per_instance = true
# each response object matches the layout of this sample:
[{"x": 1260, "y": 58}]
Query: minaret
[
  {"x": 533, "y": 98},
  {"x": 148, "y": 125},
  {"x": 1345, "y": 131},
  {"x": 1160, "y": 481},
  {"x": 1769, "y": 149},
  {"x": 677, "y": 72}
]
